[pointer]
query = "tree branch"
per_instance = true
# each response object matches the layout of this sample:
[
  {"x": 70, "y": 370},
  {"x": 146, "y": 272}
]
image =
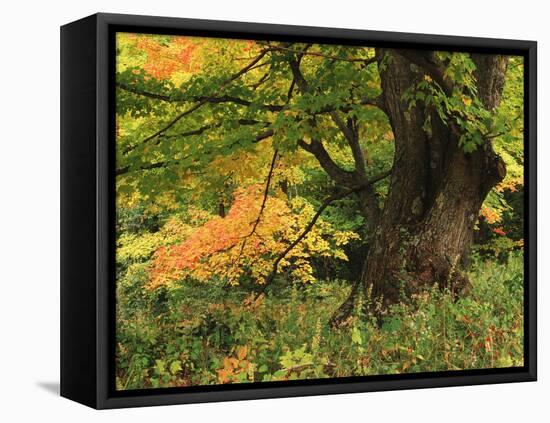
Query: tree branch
[
  {"x": 299, "y": 79},
  {"x": 298, "y": 76},
  {"x": 316, "y": 147},
  {"x": 327, "y": 56},
  {"x": 189, "y": 133},
  {"x": 339, "y": 175},
  {"x": 381, "y": 176},
  {"x": 127, "y": 169},
  {"x": 264, "y": 201},
  {"x": 328, "y": 201},
  {"x": 149, "y": 166},
  {"x": 377, "y": 102},
  {"x": 262, "y": 80},
  {"x": 144, "y": 93},
  {"x": 207, "y": 99},
  {"x": 264, "y": 135},
  {"x": 192, "y": 132},
  {"x": 350, "y": 133},
  {"x": 303, "y": 234},
  {"x": 429, "y": 63}
]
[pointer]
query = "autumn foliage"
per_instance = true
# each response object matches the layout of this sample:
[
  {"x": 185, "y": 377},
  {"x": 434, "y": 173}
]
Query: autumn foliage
[
  {"x": 245, "y": 242},
  {"x": 165, "y": 59},
  {"x": 230, "y": 271}
]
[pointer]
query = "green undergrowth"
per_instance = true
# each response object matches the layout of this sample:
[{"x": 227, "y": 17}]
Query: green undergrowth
[{"x": 202, "y": 334}]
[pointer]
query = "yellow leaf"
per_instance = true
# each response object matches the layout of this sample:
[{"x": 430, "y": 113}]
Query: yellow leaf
[
  {"x": 241, "y": 354},
  {"x": 466, "y": 100}
]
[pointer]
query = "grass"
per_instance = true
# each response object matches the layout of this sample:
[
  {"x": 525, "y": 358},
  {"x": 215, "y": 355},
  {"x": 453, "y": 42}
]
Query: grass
[{"x": 202, "y": 334}]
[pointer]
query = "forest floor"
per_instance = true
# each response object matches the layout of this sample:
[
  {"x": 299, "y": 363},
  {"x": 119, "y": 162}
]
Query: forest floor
[{"x": 205, "y": 334}]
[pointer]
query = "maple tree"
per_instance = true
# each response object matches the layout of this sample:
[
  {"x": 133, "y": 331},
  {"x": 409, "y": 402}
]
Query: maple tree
[
  {"x": 288, "y": 210},
  {"x": 304, "y": 151}
]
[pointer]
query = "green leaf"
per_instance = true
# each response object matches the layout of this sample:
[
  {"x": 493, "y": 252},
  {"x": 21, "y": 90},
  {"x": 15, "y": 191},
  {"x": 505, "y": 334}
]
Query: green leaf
[
  {"x": 263, "y": 368},
  {"x": 356, "y": 336},
  {"x": 175, "y": 367},
  {"x": 280, "y": 373}
]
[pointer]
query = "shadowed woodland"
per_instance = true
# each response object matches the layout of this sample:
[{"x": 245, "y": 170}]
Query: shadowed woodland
[{"x": 295, "y": 211}]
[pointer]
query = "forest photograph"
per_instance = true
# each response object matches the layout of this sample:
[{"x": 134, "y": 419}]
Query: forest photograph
[{"x": 292, "y": 210}]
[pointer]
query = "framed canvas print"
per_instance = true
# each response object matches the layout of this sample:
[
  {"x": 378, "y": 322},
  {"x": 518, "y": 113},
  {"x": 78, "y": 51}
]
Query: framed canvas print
[{"x": 255, "y": 211}]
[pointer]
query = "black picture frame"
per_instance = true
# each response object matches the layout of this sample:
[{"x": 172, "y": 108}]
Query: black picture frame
[{"x": 87, "y": 211}]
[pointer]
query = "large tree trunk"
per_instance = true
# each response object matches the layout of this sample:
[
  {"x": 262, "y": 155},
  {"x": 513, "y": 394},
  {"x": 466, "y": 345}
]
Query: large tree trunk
[
  {"x": 369, "y": 209},
  {"x": 436, "y": 191}
]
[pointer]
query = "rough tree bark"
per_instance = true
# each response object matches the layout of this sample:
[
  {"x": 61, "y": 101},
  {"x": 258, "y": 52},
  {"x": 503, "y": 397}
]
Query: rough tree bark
[{"x": 436, "y": 190}]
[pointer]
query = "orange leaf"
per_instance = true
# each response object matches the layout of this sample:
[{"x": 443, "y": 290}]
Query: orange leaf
[{"x": 241, "y": 354}]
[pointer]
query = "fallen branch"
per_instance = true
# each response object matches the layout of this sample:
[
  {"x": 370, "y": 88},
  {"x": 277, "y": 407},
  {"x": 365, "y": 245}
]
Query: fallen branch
[{"x": 297, "y": 367}]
